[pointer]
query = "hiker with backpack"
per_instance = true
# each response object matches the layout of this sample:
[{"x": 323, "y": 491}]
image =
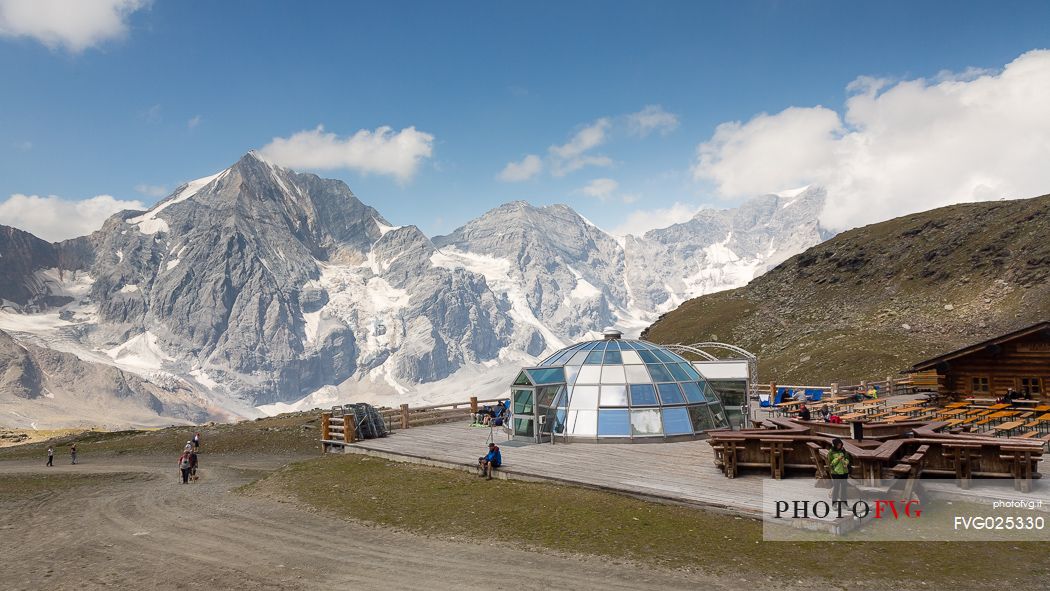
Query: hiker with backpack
[
  {"x": 185, "y": 465},
  {"x": 73, "y": 453},
  {"x": 197, "y": 441},
  {"x": 51, "y": 456}
]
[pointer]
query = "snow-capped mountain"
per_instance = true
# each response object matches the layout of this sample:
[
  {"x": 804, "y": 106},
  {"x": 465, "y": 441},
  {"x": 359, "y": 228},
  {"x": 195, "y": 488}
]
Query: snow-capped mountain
[{"x": 260, "y": 289}]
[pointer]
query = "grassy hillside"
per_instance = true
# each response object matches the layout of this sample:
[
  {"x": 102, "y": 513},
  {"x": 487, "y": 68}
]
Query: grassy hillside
[{"x": 874, "y": 300}]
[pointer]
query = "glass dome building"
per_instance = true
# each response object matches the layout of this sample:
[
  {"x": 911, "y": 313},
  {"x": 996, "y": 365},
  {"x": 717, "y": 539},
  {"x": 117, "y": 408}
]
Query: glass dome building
[{"x": 615, "y": 390}]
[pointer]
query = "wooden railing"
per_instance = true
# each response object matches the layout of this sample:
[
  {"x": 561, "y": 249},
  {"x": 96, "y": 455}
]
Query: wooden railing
[
  {"x": 340, "y": 430},
  {"x": 913, "y": 384}
]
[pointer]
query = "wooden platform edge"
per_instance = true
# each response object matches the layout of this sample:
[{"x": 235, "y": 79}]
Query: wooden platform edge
[{"x": 513, "y": 474}]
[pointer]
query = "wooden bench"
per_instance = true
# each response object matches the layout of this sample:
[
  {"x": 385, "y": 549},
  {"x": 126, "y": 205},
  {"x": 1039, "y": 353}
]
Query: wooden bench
[{"x": 909, "y": 471}]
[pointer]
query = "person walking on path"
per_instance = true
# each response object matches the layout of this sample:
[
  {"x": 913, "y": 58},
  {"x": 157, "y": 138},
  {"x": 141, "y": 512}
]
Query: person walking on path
[
  {"x": 185, "y": 465},
  {"x": 51, "y": 456},
  {"x": 188, "y": 447},
  {"x": 197, "y": 441},
  {"x": 73, "y": 453},
  {"x": 193, "y": 466}
]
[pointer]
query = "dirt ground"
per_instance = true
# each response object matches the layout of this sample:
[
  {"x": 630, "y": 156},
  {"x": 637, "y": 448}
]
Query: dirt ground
[{"x": 133, "y": 526}]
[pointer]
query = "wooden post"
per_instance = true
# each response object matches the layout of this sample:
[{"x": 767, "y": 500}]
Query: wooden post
[
  {"x": 889, "y": 386},
  {"x": 404, "y": 416},
  {"x": 834, "y": 388},
  {"x": 473, "y": 405},
  {"x": 349, "y": 429},
  {"x": 325, "y": 417},
  {"x": 772, "y": 396}
]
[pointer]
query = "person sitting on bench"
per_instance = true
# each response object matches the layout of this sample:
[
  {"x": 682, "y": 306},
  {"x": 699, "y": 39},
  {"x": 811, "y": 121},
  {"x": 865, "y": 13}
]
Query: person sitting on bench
[
  {"x": 490, "y": 461},
  {"x": 482, "y": 416}
]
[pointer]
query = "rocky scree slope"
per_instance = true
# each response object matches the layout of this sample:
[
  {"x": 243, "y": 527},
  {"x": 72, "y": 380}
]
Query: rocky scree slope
[{"x": 875, "y": 300}]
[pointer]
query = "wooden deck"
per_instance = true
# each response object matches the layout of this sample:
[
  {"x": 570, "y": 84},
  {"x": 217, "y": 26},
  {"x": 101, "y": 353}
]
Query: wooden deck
[{"x": 681, "y": 472}]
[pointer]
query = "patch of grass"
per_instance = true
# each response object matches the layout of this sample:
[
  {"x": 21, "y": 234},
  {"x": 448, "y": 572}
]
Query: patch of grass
[
  {"x": 21, "y": 486},
  {"x": 576, "y": 520},
  {"x": 282, "y": 434}
]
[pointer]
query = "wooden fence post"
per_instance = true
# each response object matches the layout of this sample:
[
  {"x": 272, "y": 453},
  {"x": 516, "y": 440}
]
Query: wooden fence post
[
  {"x": 889, "y": 386},
  {"x": 834, "y": 388},
  {"x": 473, "y": 405},
  {"x": 349, "y": 429},
  {"x": 325, "y": 417},
  {"x": 772, "y": 395},
  {"x": 404, "y": 416}
]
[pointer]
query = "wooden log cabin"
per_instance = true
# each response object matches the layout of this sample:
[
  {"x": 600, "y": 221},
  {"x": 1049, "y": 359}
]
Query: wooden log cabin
[{"x": 1019, "y": 360}]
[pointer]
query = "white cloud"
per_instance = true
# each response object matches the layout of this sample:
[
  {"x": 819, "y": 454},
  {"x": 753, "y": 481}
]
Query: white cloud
[
  {"x": 53, "y": 218},
  {"x": 901, "y": 146},
  {"x": 155, "y": 191},
  {"x": 651, "y": 118},
  {"x": 641, "y": 221},
  {"x": 193, "y": 121},
  {"x": 514, "y": 172},
  {"x": 600, "y": 189},
  {"x": 73, "y": 24},
  {"x": 382, "y": 151},
  {"x": 574, "y": 155}
]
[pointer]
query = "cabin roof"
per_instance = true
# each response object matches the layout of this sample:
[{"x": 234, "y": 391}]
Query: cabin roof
[{"x": 976, "y": 347}]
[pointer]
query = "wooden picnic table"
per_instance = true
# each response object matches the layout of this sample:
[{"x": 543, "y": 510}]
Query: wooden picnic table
[
  {"x": 1020, "y": 459},
  {"x": 1043, "y": 418},
  {"x": 776, "y": 448},
  {"x": 961, "y": 456},
  {"x": 897, "y": 418},
  {"x": 1009, "y": 426},
  {"x": 1027, "y": 402},
  {"x": 957, "y": 405},
  {"x": 852, "y": 415},
  {"x": 999, "y": 406},
  {"x": 953, "y": 413}
]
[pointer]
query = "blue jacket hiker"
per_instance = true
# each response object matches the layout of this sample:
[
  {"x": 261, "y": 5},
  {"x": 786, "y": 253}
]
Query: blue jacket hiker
[{"x": 490, "y": 461}]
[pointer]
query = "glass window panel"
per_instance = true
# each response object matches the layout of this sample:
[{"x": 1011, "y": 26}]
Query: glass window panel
[
  {"x": 547, "y": 375},
  {"x": 584, "y": 397},
  {"x": 692, "y": 392},
  {"x": 693, "y": 374},
  {"x": 646, "y": 422},
  {"x": 642, "y": 345},
  {"x": 629, "y": 345},
  {"x": 670, "y": 394},
  {"x": 676, "y": 421},
  {"x": 643, "y": 395},
  {"x": 637, "y": 374},
  {"x": 675, "y": 357},
  {"x": 522, "y": 380},
  {"x": 701, "y": 417},
  {"x": 614, "y": 395},
  {"x": 583, "y": 422},
  {"x": 613, "y": 357},
  {"x": 613, "y": 374},
  {"x": 523, "y": 402},
  {"x": 613, "y": 346},
  {"x": 614, "y": 423},
  {"x": 523, "y": 427},
  {"x": 589, "y": 374},
  {"x": 678, "y": 373},
  {"x": 719, "y": 414},
  {"x": 550, "y": 359},
  {"x": 659, "y": 373},
  {"x": 562, "y": 399},
  {"x": 545, "y": 396},
  {"x": 600, "y": 345},
  {"x": 648, "y": 357},
  {"x": 571, "y": 371},
  {"x": 594, "y": 358},
  {"x": 577, "y": 358},
  {"x": 664, "y": 355},
  {"x": 631, "y": 357},
  {"x": 560, "y": 416}
]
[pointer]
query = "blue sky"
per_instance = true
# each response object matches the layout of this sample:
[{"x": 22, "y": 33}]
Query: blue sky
[{"x": 187, "y": 87}]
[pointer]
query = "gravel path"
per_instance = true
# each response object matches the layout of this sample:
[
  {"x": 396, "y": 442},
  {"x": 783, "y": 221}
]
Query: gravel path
[{"x": 147, "y": 531}]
